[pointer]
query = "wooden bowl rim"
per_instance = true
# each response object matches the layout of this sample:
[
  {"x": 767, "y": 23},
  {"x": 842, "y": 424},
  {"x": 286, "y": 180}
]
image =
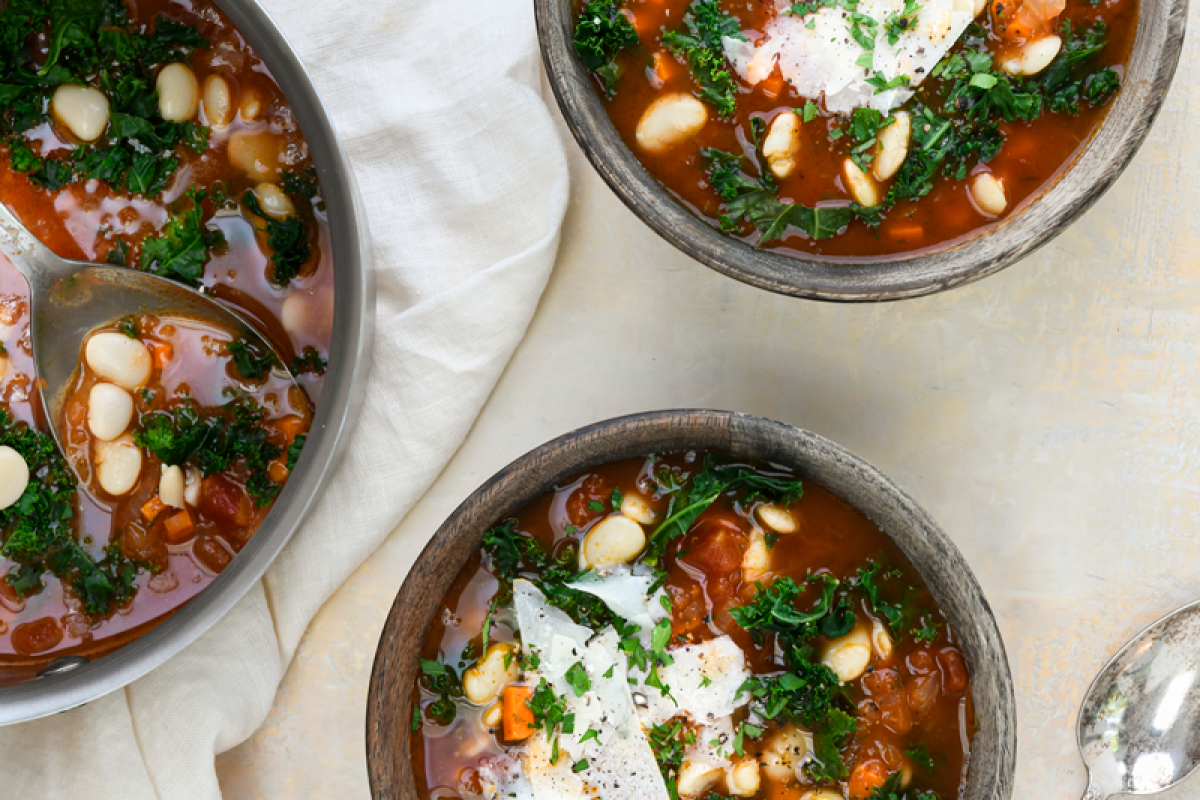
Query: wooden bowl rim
[
  {"x": 941, "y": 566},
  {"x": 1157, "y": 47}
]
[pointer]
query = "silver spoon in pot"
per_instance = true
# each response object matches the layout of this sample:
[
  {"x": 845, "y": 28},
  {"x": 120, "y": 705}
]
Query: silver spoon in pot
[
  {"x": 70, "y": 299},
  {"x": 1139, "y": 725}
]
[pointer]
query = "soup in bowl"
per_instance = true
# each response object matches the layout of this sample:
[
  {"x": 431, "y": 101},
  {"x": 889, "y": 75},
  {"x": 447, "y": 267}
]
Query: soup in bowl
[{"x": 725, "y": 613}]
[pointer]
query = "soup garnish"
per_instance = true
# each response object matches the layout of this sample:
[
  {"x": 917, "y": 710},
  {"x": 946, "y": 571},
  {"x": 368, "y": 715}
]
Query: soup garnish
[
  {"x": 152, "y": 137},
  {"x": 690, "y": 626},
  {"x": 855, "y": 127}
]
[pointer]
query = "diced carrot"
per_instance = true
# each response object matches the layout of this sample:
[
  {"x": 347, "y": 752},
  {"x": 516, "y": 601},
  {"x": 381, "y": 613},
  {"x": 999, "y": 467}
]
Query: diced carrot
[
  {"x": 152, "y": 508},
  {"x": 290, "y": 426},
  {"x": 517, "y": 715},
  {"x": 178, "y": 527},
  {"x": 162, "y": 353},
  {"x": 866, "y": 778}
]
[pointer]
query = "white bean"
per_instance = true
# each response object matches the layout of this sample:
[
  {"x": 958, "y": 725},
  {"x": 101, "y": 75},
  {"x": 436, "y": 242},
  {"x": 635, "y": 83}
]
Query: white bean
[
  {"x": 756, "y": 560},
  {"x": 82, "y": 109},
  {"x": 637, "y": 509},
  {"x": 218, "y": 102},
  {"x": 784, "y": 756},
  {"x": 862, "y": 187},
  {"x": 670, "y": 120},
  {"x": 171, "y": 486},
  {"x": 742, "y": 778},
  {"x": 191, "y": 487},
  {"x": 777, "y": 519},
  {"x": 256, "y": 154},
  {"x": 251, "y": 105},
  {"x": 782, "y": 144},
  {"x": 848, "y": 656},
  {"x": 491, "y": 718},
  {"x": 178, "y": 93},
  {"x": 893, "y": 146},
  {"x": 294, "y": 312},
  {"x": 1034, "y": 56},
  {"x": 483, "y": 682},
  {"x": 14, "y": 476},
  {"x": 988, "y": 193},
  {"x": 110, "y": 410},
  {"x": 823, "y": 794},
  {"x": 614, "y": 540},
  {"x": 118, "y": 359},
  {"x": 118, "y": 464},
  {"x": 695, "y": 777},
  {"x": 881, "y": 640},
  {"x": 274, "y": 202}
]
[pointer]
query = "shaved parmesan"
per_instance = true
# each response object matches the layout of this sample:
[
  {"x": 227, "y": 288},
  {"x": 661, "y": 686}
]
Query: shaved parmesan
[
  {"x": 819, "y": 53},
  {"x": 703, "y": 680},
  {"x": 625, "y": 594},
  {"x": 620, "y": 763}
]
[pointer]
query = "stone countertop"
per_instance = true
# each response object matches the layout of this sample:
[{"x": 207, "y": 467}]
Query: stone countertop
[{"x": 1045, "y": 416}]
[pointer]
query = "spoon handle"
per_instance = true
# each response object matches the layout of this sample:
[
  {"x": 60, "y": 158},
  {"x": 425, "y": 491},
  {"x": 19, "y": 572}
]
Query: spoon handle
[{"x": 38, "y": 263}]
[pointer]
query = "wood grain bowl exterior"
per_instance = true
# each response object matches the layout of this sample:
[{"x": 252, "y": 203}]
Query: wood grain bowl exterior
[
  {"x": 1148, "y": 77},
  {"x": 941, "y": 566}
]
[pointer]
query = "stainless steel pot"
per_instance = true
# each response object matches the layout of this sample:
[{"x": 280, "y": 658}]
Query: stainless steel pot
[{"x": 341, "y": 398}]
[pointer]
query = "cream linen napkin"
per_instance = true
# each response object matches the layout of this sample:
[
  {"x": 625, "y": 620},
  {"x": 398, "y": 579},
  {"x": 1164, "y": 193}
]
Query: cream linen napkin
[{"x": 465, "y": 184}]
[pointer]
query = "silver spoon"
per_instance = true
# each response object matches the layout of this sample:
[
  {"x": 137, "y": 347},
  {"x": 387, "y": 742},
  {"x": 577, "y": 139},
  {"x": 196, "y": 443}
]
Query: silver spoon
[
  {"x": 1139, "y": 725},
  {"x": 70, "y": 299}
]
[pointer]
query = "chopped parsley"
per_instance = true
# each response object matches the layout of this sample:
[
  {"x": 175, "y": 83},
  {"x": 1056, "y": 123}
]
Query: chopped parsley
[
  {"x": 577, "y": 677},
  {"x": 442, "y": 680},
  {"x": 309, "y": 361},
  {"x": 550, "y": 714}
]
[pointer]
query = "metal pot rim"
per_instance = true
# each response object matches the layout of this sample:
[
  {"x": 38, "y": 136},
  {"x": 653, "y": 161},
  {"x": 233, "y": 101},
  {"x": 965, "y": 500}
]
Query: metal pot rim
[{"x": 336, "y": 414}]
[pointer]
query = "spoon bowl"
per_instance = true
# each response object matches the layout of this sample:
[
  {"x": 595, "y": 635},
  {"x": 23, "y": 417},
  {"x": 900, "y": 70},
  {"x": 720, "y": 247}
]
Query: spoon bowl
[
  {"x": 1139, "y": 725},
  {"x": 70, "y": 299}
]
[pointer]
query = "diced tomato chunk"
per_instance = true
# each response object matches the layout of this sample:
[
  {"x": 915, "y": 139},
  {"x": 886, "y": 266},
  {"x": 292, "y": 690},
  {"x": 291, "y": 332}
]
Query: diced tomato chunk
[
  {"x": 954, "y": 672},
  {"x": 222, "y": 500},
  {"x": 866, "y": 778},
  {"x": 30, "y": 638},
  {"x": 592, "y": 500}
]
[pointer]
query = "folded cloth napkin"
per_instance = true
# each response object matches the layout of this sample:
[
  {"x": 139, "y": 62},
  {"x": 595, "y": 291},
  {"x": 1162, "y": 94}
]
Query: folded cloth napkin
[{"x": 465, "y": 184}]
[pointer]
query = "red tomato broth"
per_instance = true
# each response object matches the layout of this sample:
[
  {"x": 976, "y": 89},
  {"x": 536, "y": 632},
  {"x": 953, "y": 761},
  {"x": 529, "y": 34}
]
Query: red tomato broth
[
  {"x": 704, "y": 581},
  {"x": 1034, "y": 156},
  {"x": 83, "y": 221}
]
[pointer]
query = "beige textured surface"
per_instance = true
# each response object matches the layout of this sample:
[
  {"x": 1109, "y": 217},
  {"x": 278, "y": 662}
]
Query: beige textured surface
[{"x": 1046, "y": 417}]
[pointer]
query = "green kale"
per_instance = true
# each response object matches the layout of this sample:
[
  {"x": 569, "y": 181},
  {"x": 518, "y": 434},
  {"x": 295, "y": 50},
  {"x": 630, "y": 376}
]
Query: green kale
[
  {"x": 1067, "y": 80},
  {"x": 302, "y": 184},
  {"x": 215, "y": 441},
  {"x": 703, "y": 490},
  {"x": 601, "y": 32},
  {"x": 309, "y": 361},
  {"x": 182, "y": 249},
  {"x": 38, "y": 531},
  {"x": 294, "y": 449},
  {"x": 827, "y": 763},
  {"x": 701, "y": 47},
  {"x": 250, "y": 360},
  {"x": 442, "y": 680},
  {"x": 755, "y": 201},
  {"x": 891, "y": 789},
  {"x": 804, "y": 695},
  {"x": 669, "y": 742},
  {"x": 288, "y": 238}
]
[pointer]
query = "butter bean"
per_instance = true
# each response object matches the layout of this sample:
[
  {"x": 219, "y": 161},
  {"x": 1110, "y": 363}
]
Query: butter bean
[
  {"x": 669, "y": 121},
  {"x": 118, "y": 359},
  {"x": 614, "y": 540},
  {"x": 483, "y": 682},
  {"x": 118, "y": 464},
  {"x": 14, "y": 476},
  {"x": 81, "y": 109},
  {"x": 110, "y": 410},
  {"x": 178, "y": 93}
]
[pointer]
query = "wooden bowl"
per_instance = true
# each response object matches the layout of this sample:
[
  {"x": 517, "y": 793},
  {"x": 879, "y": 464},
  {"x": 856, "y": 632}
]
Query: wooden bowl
[
  {"x": 1151, "y": 67},
  {"x": 936, "y": 559}
]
